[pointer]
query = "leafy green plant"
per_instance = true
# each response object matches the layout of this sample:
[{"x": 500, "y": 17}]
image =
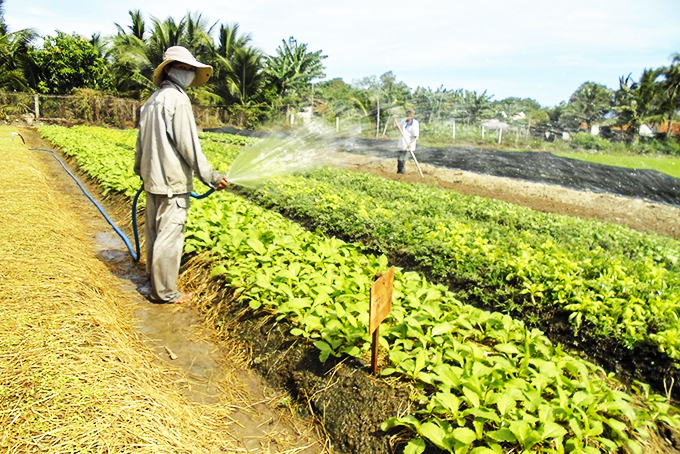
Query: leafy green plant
[{"x": 587, "y": 141}]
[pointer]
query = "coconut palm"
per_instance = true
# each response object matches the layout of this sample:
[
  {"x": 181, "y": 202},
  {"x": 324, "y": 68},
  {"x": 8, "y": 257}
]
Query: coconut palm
[
  {"x": 131, "y": 67},
  {"x": 229, "y": 40},
  {"x": 100, "y": 44},
  {"x": 3, "y": 25},
  {"x": 138, "y": 26},
  {"x": 17, "y": 72},
  {"x": 223, "y": 56},
  {"x": 636, "y": 102},
  {"x": 670, "y": 92},
  {"x": 240, "y": 84},
  {"x": 137, "y": 51},
  {"x": 589, "y": 104},
  {"x": 197, "y": 37},
  {"x": 165, "y": 33}
]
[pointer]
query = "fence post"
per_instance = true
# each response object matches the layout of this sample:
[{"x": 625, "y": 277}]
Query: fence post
[
  {"x": 482, "y": 132},
  {"x": 36, "y": 106},
  {"x": 377, "y": 121},
  {"x": 337, "y": 124},
  {"x": 453, "y": 130},
  {"x": 500, "y": 134}
]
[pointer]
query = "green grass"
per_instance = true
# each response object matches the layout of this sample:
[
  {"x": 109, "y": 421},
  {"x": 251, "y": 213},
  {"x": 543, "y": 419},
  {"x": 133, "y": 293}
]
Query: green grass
[{"x": 669, "y": 165}]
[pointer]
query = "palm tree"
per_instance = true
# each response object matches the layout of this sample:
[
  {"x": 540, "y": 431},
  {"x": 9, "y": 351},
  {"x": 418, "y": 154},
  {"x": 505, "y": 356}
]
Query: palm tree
[
  {"x": 589, "y": 103},
  {"x": 229, "y": 40},
  {"x": 196, "y": 37},
  {"x": 670, "y": 92},
  {"x": 100, "y": 44},
  {"x": 138, "y": 26},
  {"x": 244, "y": 85},
  {"x": 636, "y": 103},
  {"x": 3, "y": 25},
  {"x": 136, "y": 52},
  {"x": 164, "y": 34},
  {"x": 223, "y": 56},
  {"x": 17, "y": 71},
  {"x": 131, "y": 67}
]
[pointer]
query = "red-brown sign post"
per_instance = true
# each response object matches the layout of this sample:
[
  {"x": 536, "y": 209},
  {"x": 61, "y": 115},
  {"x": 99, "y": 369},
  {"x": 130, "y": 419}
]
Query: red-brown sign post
[{"x": 381, "y": 303}]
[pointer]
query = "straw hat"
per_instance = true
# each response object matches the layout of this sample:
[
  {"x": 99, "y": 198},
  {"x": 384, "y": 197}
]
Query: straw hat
[{"x": 182, "y": 55}]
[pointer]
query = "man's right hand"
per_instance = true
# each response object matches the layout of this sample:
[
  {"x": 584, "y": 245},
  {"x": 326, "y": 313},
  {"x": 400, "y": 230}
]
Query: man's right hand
[{"x": 222, "y": 184}]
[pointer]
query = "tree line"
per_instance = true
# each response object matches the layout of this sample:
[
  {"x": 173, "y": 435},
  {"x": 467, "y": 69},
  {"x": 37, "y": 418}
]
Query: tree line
[{"x": 256, "y": 87}]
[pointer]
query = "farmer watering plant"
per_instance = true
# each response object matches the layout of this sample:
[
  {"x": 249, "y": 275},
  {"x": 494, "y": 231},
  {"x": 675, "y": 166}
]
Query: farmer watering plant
[
  {"x": 409, "y": 129},
  {"x": 168, "y": 155}
]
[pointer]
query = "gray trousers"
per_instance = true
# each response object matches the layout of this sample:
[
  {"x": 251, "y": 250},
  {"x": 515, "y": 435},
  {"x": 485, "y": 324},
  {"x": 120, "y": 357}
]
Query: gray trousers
[
  {"x": 402, "y": 156},
  {"x": 165, "y": 219}
]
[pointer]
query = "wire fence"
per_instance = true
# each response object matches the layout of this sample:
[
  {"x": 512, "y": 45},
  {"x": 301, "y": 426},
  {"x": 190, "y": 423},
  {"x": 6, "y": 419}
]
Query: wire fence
[{"x": 89, "y": 108}]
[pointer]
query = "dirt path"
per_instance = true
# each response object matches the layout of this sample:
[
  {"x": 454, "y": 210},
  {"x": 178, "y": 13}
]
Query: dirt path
[
  {"x": 635, "y": 213},
  {"x": 264, "y": 420}
]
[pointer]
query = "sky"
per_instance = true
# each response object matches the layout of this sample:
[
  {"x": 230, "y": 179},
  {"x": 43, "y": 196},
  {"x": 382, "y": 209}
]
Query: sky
[{"x": 538, "y": 49}]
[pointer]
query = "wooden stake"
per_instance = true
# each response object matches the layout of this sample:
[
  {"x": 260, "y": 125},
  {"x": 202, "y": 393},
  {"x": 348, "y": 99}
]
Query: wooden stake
[{"x": 380, "y": 306}]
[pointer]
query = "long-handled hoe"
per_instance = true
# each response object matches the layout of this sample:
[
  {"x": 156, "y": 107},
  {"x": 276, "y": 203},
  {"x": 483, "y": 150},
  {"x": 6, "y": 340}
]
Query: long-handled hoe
[{"x": 409, "y": 145}]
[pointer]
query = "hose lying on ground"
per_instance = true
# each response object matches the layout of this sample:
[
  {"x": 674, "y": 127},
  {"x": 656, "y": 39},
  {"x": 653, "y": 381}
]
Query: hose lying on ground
[{"x": 134, "y": 251}]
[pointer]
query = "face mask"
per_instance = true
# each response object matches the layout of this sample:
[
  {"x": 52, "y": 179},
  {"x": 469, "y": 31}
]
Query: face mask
[{"x": 181, "y": 77}]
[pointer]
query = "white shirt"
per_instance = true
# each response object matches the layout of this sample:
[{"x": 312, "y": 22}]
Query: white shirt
[{"x": 410, "y": 133}]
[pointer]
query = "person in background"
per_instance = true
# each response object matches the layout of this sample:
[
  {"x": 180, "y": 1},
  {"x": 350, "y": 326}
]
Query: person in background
[
  {"x": 168, "y": 155},
  {"x": 410, "y": 130}
]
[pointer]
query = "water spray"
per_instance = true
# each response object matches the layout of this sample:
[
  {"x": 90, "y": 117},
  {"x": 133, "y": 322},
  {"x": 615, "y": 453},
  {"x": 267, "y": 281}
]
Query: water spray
[{"x": 278, "y": 155}]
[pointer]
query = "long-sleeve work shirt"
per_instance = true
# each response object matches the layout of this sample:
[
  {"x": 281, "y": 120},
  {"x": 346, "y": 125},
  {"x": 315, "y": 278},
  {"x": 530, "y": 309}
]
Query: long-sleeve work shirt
[{"x": 168, "y": 150}]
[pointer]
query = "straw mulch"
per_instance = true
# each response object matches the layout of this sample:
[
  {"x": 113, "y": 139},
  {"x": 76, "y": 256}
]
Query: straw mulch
[{"x": 74, "y": 375}]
